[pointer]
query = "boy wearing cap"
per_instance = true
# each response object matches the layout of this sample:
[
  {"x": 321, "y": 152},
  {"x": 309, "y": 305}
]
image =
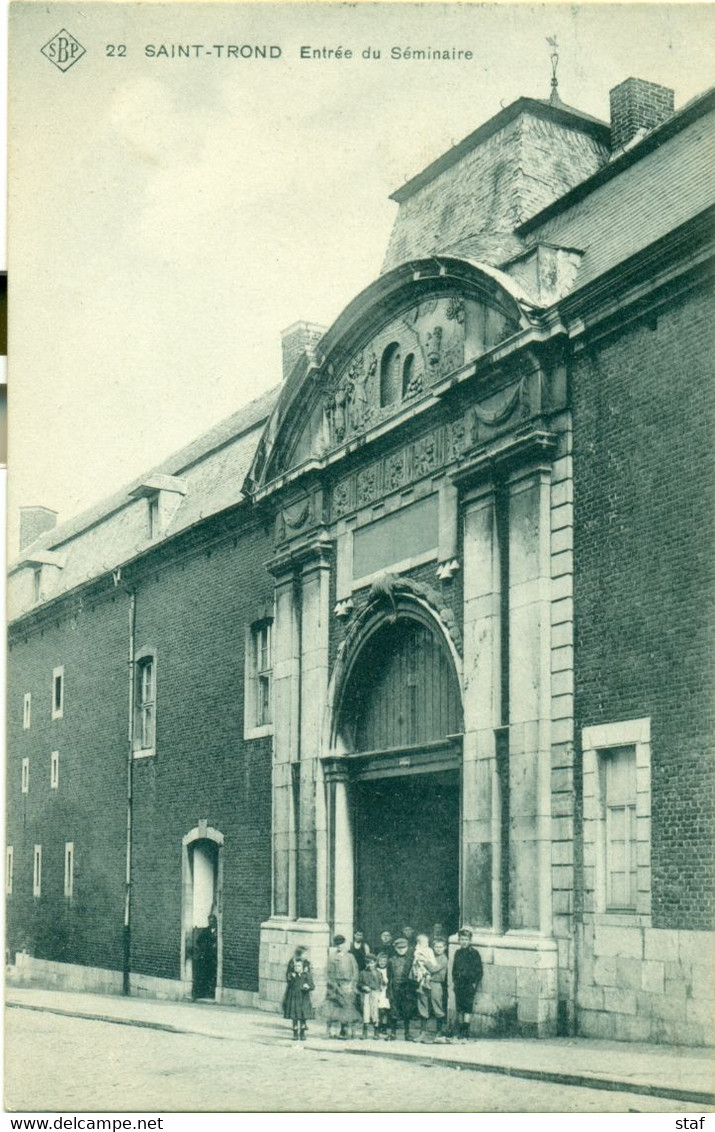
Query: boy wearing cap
[{"x": 466, "y": 977}]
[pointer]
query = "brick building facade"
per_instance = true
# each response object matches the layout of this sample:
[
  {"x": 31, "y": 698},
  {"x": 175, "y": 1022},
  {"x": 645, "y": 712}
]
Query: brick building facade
[{"x": 422, "y": 634}]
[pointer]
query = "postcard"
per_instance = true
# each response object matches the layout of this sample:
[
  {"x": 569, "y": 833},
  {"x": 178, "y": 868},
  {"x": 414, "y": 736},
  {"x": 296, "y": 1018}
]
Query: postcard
[{"x": 358, "y": 559}]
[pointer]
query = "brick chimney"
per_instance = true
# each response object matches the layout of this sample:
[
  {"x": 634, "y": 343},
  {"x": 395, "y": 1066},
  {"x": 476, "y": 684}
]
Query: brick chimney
[
  {"x": 34, "y": 521},
  {"x": 298, "y": 341},
  {"x": 635, "y": 105}
]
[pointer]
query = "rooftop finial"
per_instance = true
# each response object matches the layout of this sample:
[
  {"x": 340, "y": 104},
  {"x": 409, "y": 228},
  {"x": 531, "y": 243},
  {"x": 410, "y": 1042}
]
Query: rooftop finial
[{"x": 551, "y": 40}]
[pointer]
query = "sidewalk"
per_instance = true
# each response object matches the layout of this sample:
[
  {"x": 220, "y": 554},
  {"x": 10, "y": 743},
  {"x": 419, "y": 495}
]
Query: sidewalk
[{"x": 675, "y": 1073}]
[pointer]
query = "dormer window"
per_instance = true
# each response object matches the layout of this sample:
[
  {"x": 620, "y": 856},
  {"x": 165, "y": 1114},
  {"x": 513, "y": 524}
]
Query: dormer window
[
  {"x": 43, "y": 573},
  {"x": 153, "y": 514},
  {"x": 163, "y": 494}
]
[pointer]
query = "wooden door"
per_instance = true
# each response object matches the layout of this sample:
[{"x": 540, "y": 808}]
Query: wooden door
[{"x": 407, "y": 853}]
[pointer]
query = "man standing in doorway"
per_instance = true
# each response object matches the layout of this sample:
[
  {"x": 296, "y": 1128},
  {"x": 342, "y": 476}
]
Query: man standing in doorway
[{"x": 466, "y": 977}]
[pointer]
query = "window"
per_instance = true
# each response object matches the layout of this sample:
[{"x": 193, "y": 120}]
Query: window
[
  {"x": 69, "y": 869},
  {"x": 620, "y": 775},
  {"x": 37, "y": 871},
  {"x": 263, "y": 674},
  {"x": 26, "y": 711},
  {"x": 259, "y": 674},
  {"x": 391, "y": 374},
  {"x": 408, "y": 373},
  {"x": 37, "y": 583},
  {"x": 145, "y": 705},
  {"x": 153, "y": 513},
  {"x": 58, "y": 692},
  {"x": 9, "y": 862},
  {"x": 25, "y": 780},
  {"x": 54, "y": 770},
  {"x": 616, "y": 786}
]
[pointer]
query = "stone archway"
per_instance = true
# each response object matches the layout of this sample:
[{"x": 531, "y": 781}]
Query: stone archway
[{"x": 394, "y": 766}]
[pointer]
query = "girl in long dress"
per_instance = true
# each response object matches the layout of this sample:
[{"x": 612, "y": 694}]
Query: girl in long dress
[{"x": 296, "y": 1001}]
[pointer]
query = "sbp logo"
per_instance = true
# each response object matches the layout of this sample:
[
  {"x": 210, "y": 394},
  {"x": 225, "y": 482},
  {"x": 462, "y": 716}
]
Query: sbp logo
[{"x": 63, "y": 50}]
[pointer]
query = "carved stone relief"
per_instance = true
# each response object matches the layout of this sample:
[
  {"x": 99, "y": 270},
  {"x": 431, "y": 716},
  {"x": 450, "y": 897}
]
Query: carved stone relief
[
  {"x": 523, "y": 398},
  {"x": 414, "y": 351}
]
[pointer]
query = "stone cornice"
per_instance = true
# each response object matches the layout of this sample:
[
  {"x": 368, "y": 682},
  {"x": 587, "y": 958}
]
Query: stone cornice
[
  {"x": 521, "y": 344},
  {"x": 532, "y": 446}
]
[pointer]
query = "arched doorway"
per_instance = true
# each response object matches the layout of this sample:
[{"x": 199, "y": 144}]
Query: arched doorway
[
  {"x": 202, "y": 868},
  {"x": 399, "y": 723}
]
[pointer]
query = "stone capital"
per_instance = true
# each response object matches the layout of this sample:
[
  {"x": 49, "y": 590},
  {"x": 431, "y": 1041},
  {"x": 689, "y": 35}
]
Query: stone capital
[{"x": 309, "y": 554}]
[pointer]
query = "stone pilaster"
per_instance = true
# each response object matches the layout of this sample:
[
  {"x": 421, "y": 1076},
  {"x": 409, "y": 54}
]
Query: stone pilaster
[
  {"x": 481, "y": 804},
  {"x": 314, "y": 674},
  {"x": 286, "y": 712},
  {"x": 530, "y": 699}
]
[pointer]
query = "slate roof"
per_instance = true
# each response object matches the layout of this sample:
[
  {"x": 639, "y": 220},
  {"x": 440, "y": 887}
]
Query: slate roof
[
  {"x": 115, "y": 530},
  {"x": 660, "y": 183},
  {"x": 540, "y": 108}
]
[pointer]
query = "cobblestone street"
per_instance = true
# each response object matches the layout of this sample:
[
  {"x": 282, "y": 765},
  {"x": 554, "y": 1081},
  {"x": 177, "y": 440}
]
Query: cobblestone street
[{"x": 56, "y": 1063}]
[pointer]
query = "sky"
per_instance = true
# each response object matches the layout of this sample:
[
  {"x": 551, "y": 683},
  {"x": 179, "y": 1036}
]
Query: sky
[{"x": 168, "y": 218}]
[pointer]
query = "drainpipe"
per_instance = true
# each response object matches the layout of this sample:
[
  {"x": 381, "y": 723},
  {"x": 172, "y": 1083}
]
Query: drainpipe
[{"x": 126, "y": 933}]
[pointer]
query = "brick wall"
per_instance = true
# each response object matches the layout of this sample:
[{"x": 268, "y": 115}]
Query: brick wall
[
  {"x": 194, "y": 611},
  {"x": 89, "y": 805},
  {"x": 643, "y": 508},
  {"x": 195, "y": 614}
]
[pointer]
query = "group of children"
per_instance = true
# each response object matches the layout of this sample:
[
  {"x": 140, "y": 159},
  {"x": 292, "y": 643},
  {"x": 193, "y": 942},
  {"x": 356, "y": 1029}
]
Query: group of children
[{"x": 405, "y": 981}]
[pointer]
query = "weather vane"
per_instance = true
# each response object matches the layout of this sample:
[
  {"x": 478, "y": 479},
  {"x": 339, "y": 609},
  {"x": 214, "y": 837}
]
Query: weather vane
[{"x": 551, "y": 40}]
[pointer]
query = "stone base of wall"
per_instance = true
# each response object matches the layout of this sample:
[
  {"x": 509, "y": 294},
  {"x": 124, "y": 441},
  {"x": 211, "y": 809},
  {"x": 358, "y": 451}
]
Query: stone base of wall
[
  {"x": 279, "y": 939},
  {"x": 518, "y": 994},
  {"x": 28, "y": 971},
  {"x": 638, "y": 983}
]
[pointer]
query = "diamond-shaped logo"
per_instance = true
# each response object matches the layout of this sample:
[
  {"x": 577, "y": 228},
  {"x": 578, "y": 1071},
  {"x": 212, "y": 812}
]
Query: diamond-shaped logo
[{"x": 63, "y": 50}]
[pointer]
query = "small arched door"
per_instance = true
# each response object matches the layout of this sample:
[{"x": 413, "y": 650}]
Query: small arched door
[{"x": 201, "y": 937}]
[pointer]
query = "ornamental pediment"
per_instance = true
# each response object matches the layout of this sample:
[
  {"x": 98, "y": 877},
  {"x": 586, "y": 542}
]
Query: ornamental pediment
[
  {"x": 397, "y": 343},
  {"x": 396, "y": 365}
]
